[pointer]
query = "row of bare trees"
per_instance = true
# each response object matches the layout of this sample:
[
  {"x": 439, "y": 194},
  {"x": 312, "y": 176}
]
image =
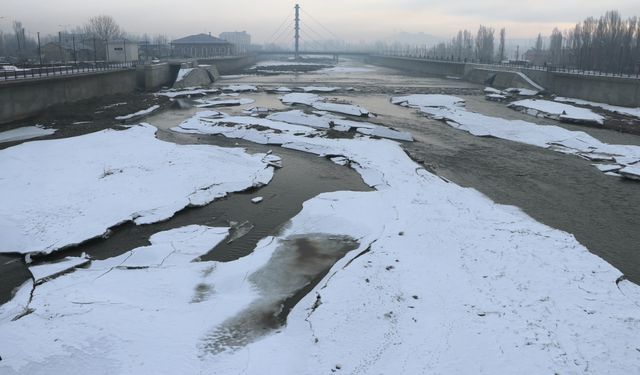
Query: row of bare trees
[
  {"x": 609, "y": 44},
  {"x": 466, "y": 46},
  {"x": 606, "y": 44}
]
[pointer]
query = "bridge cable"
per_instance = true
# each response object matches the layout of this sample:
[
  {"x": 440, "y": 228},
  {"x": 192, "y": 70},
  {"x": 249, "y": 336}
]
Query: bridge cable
[
  {"x": 321, "y": 25},
  {"x": 310, "y": 38},
  {"x": 279, "y": 27},
  {"x": 287, "y": 30}
]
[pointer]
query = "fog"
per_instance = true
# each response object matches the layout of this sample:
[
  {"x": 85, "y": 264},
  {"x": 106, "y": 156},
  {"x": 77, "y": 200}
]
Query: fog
[{"x": 353, "y": 20}]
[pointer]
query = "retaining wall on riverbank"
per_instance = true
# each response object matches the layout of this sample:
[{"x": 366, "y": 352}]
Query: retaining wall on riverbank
[
  {"x": 152, "y": 77},
  {"x": 23, "y": 98},
  {"x": 605, "y": 89},
  {"x": 414, "y": 65},
  {"x": 230, "y": 65}
]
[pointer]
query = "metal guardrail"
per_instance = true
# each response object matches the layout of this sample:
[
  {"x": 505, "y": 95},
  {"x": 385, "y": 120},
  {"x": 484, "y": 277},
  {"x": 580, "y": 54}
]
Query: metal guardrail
[
  {"x": 51, "y": 71},
  {"x": 548, "y": 68}
]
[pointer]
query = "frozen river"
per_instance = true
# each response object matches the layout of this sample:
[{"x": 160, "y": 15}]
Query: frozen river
[{"x": 352, "y": 253}]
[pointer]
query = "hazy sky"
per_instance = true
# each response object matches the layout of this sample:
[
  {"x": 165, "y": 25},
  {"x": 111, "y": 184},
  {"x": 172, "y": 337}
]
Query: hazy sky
[{"x": 353, "y": 20}]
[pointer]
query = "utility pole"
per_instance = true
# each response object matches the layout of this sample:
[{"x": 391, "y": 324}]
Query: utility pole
[
  {"x": 297, "y": 32},
  {"x": 39, "y": 50},
  {"x": 62, "y": 57}
]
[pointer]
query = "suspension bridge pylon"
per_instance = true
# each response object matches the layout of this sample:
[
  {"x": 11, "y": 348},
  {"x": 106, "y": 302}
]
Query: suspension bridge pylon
[{"x": 296, "y": 35}]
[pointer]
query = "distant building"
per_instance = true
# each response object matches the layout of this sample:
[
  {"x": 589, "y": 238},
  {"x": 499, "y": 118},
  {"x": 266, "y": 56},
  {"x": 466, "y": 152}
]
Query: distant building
[
  {"x": 537, "y": 57},
  {"x": 150, "y": 51},
  {"x": 241, "y": 39},
  {"x": 202, "y": 45},
  {"x": 122, "y": 50}
]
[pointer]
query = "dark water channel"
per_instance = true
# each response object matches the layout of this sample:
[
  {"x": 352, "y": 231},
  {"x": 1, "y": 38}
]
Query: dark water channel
[{"x": 302, "y": 177}]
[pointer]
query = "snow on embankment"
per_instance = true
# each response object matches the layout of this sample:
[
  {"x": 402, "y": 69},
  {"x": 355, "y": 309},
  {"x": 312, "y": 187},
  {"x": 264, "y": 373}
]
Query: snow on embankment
[
  {"x": 62, "y": 192},
  {"x": 616, "y": 157}
]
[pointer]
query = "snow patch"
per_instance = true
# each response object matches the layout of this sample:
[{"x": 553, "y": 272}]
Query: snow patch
[{"x": 26, "y": 132}]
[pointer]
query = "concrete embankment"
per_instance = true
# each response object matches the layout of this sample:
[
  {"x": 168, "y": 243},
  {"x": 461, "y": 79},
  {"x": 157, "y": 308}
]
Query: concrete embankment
[
  {"x": 20, "y": 99},
  {"x": 445, "y": 68},
  {"x": 230, "y": 65},
  {"x": 604, "y": 89},
  {"x": 24, "y": 98}
]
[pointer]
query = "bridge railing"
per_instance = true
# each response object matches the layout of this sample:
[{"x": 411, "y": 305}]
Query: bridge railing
[
  {"x": 515, "y": 65},
  {"x": 33, "y": 72}
]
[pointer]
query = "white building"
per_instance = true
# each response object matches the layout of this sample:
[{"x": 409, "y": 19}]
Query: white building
[
  {"x": 122, "y": 50},
  {"x": 241, "y": 39}
]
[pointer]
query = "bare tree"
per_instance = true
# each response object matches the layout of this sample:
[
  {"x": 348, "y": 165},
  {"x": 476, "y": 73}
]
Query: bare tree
[
  {"x": 18, "y": 30},
  {"x": 484, "y": 44},
  {"x": 539, "y": 43},
  {"x": 555, "y": 46},
  {"x": 503, "y": 34},
  {"x": 160, "y": 39},
  {"x": 103, "y": 27}
]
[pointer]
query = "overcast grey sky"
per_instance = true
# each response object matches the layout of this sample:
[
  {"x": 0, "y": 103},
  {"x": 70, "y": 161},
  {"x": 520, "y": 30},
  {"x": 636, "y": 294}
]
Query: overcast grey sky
[{"x": 353, "y": 20}]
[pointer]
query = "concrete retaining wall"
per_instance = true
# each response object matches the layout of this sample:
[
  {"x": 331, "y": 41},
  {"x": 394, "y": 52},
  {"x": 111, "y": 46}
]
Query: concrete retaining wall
[
  {"x": 24, "y": 98},
  {"x": 154, "y": 76},
  {"x": 419, "y": 65},
  {"x": 604, "y": 89},
  {"x": 612, "y": 90},
  {"x": 230, "y": 65},
  {"x": 502, "y": 79}
]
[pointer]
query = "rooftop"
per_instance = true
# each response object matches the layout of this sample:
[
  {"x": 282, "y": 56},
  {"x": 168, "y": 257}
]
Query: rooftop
[{"x": 199, "y": 39}]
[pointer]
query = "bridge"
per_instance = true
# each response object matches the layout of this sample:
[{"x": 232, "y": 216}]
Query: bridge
[
  {"x": 315, "y": 53},
  {"x": 311, "y": 37}
]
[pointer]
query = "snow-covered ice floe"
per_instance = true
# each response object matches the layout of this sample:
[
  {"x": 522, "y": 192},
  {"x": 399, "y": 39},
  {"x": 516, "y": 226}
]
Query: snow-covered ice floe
[
  {"x": 318, "y": 89},
  {"x": 320, "y": 103},
  {"x": 25, "y": 132},
  {"x": 626, "y": 111},
  {"x": 222, "y": 102},
  {"x": 494, "y": 94},
  {"x": 117, "y": 176},
  {"x": 430, "y": 270},
  {"x": 140, "y": 113},
  {"x": 187, "y": 92},
  {"x": 347, "y": 69},
  {"x": 631, "y": 171},
  {"x": 239, "y": 88},
  {"x": 522, "y": 92},
  {"x": 46, "y": 271},
  {"x": 546, "y": 136},
  {"x": 427, "y": 100},
  {"x": 557, "y": 111},
  {"x": 273, "y": 128}
]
